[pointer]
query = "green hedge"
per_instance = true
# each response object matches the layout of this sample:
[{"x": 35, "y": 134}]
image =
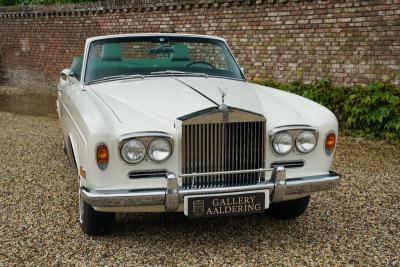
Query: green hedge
[{"x": 371, "y": 111}]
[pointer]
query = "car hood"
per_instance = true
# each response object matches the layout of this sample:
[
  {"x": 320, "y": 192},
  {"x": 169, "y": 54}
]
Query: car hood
[{"x": 168, "y": 98}]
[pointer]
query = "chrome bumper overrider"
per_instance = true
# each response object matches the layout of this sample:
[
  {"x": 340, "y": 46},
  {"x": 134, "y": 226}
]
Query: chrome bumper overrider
[{"x": 172, "y": 196}]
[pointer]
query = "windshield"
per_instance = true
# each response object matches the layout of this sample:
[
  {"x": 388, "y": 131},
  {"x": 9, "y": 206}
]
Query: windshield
[{"x": 159, "y": 55}]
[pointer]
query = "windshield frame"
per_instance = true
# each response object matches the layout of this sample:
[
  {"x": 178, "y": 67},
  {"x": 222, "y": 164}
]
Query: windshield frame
[{"x": 146, "y": 37}]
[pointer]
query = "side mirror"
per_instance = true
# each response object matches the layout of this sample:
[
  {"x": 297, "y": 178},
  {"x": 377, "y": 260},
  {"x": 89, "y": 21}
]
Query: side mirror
[
  {"x": 66, "y": 74},
  {"x": 242, "y": 69}
]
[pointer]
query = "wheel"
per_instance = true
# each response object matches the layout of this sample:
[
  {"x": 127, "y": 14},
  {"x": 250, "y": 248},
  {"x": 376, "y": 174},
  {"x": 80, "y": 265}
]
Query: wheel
[
  {"x": 289, "y": 209},
  {"x": 94, "y": 222}
]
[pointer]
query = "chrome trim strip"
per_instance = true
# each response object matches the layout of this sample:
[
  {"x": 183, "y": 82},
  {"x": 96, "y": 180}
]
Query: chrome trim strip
[
  {"x": 224, "y": 172},
  {"x": 288, "y": 164},
  {"x": 123, "y": 198},
  {"x": 291, "y": 128},
  {"x": 214, "y": 115},
  {"x": 144, "y": 134},
  {"x": 218, "y": 190},
  {"x": 312, "y": 184},
  {"x": 144, "y": 174}
]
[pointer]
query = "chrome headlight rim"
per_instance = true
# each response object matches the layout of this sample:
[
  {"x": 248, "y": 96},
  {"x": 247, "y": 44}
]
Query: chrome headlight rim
[
  {"x": 154, "y": 140},
  {"x": 122, "y": 147},
  {"x": 274, "y": 139},
  {"x": 299, "y": 148}
]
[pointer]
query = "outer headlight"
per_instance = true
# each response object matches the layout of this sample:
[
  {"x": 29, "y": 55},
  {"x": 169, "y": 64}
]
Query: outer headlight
[
  {"x": 282, "y": 143},
  {"x": 306, "y": 141},
  {"x": 133, "y": 151},
  {"x": 159, "y": 150}
]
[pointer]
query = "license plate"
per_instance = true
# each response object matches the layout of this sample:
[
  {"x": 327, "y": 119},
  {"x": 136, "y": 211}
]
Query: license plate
[{"x": 229, "y": 204}]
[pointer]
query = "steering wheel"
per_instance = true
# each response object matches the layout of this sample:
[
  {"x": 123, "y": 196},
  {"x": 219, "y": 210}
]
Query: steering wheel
[{"x": 200, "y": 62}]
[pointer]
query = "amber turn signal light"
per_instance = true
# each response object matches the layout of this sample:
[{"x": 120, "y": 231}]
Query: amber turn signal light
[
  {"x": 102, "y": 156},
  {"x": 330, "y": 143}
]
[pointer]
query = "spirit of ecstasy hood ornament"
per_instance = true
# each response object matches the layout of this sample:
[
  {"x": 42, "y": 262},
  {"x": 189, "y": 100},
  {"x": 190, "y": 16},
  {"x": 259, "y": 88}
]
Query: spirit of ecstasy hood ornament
[
  {"x": 222, "y": 107},
  {"x": 223, "y": 93}
]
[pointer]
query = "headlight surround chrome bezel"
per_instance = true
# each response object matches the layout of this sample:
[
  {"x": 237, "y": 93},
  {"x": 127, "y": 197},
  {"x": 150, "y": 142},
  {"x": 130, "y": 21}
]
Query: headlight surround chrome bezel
[
  {"x": 274, "y": 140},
  {"x": 294, "y": 131},
  {"x": 298, "y": 146},
  {"x": 159, "y": 139},
  {"x": 146, "y": 138}
]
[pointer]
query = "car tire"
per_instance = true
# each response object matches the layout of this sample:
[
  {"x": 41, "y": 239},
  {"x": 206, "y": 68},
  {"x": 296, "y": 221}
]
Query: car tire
[
  {"x": 93, "y": 222},
  {"x": 288, "y": 210}
]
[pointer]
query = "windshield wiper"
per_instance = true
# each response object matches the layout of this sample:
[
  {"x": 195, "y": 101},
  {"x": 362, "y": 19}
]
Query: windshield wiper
[
  {"x": 172, "y": 72},
  {"x": 116, "y": 77}
]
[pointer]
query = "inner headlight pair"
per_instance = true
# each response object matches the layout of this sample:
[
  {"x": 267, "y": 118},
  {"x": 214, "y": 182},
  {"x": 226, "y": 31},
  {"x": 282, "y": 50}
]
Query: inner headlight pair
[
  {"x": 283, "y": 142},
  {"x": 134, "y": 150}
]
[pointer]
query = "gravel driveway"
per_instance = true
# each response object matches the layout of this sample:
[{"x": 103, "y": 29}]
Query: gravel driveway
[{"x": 355, "y": 224}]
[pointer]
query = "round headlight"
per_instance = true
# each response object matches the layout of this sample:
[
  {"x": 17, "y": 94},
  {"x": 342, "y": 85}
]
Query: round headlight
[
  {"x": 133, "y": 151},
  {"x": 282, "y": 143},
  {"x": 159, "y": 150},
  {"x": 306, "y": 141}
]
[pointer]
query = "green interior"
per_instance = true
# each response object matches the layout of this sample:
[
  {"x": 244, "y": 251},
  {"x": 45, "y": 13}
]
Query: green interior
[
  {"x": 147, "y": 58},
  {"x": 111, "y": 62}
]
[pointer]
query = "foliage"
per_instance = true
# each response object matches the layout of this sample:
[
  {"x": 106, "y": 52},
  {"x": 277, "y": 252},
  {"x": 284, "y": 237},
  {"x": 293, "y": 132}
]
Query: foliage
[
  {"x": 8, "y": 2},
  {"x": 370, "y": 111}
]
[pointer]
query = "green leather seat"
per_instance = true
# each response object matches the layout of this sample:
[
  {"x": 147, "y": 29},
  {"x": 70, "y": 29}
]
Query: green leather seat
[
  {"x": 111, "y": 52},
  {"x": 181, "y": 53}
]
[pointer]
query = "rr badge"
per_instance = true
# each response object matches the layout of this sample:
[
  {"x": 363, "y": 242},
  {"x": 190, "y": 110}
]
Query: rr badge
[{"x": 198, "y": 207}]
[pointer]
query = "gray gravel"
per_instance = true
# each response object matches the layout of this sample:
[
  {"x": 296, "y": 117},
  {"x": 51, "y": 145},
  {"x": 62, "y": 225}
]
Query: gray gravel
[{"x": 355, "y": 224}]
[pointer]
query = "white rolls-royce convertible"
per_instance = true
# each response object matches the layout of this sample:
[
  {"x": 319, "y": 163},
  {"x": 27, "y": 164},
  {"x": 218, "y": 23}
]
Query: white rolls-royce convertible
[{"x": 169, "y": 123}]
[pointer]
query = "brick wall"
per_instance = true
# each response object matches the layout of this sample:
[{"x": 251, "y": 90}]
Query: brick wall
[{"x": 354, "y": 41}]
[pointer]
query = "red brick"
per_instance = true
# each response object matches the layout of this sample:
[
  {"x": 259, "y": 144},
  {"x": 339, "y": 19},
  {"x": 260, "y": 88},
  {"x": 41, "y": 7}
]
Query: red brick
[{"x": 287, "y": 40}]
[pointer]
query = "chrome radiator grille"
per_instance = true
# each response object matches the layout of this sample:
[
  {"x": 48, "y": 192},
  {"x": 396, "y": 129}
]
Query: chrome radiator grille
[{"x": 219, "y": 147}]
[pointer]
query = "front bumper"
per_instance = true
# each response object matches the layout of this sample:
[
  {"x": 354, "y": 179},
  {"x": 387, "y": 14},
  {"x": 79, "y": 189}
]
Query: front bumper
[{"x": 171, "y": 198}]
